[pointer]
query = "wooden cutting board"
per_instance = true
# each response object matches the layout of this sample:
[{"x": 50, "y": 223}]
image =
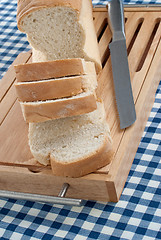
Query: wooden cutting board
[{"x": 20, "y": 172}]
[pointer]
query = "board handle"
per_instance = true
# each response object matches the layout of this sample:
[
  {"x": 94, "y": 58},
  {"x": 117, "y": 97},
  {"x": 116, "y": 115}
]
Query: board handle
[{"x": 61, "y": 199}]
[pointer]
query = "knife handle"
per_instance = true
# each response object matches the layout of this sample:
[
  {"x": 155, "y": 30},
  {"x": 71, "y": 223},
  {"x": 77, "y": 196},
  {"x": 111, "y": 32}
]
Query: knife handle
[{"x": 116, "y": 18}]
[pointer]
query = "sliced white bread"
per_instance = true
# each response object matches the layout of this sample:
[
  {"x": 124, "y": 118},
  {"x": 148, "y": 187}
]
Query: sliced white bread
[
  {"x": 41, "y": 111},
  {"x": 49, "y": 89},
  {"x": 85, "y": 102},
  {"x": 56, "y": 88},
  {"x": 59, "y": 29},
  {"x": 74, "y": 146},
  {"x": 52, "y": 69}
]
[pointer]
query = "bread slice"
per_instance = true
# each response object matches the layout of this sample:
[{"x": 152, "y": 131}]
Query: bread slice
[
  {"x": 74, "y": 146},
  {"x": 59, "y": 29},
  {"x": 41, "y": 111},
  {"x": 52, "y": 69},
  {"x": 55, "y": 88},
  {"x": 49, "y": 89}
]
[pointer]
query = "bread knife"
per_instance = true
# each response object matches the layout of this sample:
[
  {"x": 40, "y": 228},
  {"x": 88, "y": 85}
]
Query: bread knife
[{"x": 120, "y": 67}]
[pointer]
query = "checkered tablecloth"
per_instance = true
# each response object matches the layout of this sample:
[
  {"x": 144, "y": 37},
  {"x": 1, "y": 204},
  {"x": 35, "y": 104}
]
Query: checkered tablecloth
[{"x": 138, "y": 213}]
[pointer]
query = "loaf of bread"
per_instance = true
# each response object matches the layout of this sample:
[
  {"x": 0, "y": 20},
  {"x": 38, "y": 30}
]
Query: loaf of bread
[
  {"x": 73, "y": 146},
  {"x": 59, "y": 29}
]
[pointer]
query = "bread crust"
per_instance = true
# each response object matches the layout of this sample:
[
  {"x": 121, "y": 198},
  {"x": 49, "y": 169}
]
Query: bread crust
[
  {"x": 52, "y": 69},
  {"x": 81, "y": 167},
  {"x": 47, "y": 110},
  {"x": 24, "y": 7},
  {"x": 49, "y": 89}
]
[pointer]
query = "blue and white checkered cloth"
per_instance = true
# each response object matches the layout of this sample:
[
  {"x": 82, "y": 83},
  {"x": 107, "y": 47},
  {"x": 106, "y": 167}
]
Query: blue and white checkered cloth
[{"x": 136, "y": 216}]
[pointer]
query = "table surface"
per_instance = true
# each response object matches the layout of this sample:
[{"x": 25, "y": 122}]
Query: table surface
[{"x": 136, "y": 216}]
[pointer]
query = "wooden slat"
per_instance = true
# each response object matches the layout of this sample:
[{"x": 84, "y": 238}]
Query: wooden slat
[
  {"x": 14, "y": 137},
  {"x": 7, "y": 103},
  {"x": 7, "y": 90},
  {"x": 104, "y": 42},
  {"x": 148, "y": 9},
  {"x": 99, "y": 21},
  {"x": 141, "y": 41},
  {"x": 131, "y": 25},
  {"x": 10, "y": 76},
  {"x": 143, "y": 8}
]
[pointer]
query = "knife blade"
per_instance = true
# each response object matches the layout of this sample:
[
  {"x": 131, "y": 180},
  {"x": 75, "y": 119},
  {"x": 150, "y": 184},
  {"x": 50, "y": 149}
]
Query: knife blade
[{"x": 120, "y": 67}]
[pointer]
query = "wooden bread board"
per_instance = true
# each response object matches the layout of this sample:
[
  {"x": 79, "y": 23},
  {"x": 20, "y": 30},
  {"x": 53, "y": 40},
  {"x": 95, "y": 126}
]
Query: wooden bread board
[{"x": 20, "y": 172}]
